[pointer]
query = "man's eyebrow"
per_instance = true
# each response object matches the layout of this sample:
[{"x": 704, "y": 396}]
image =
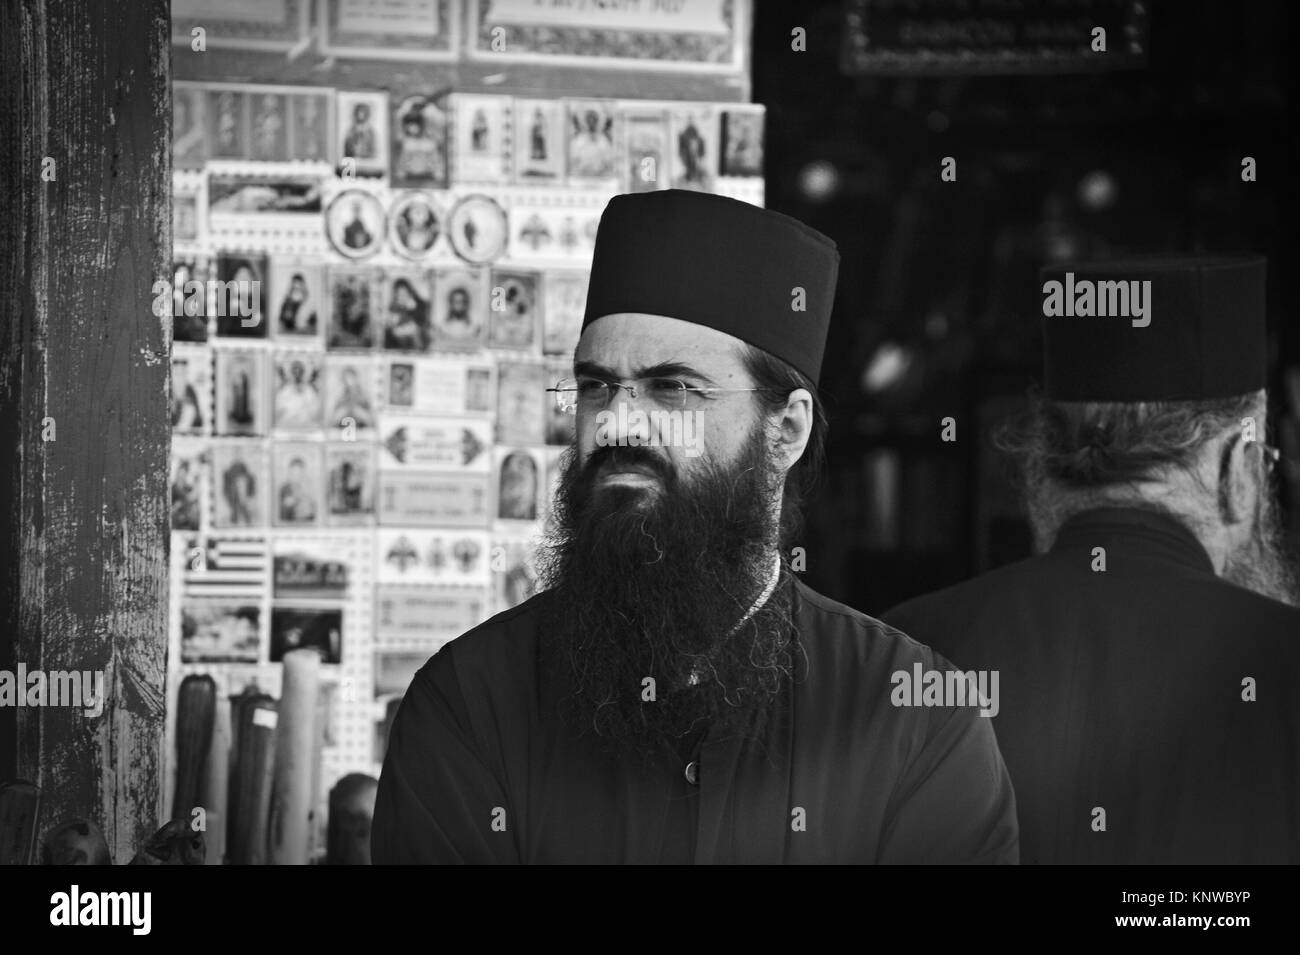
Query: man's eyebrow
[{"x": 664, "y": 369}]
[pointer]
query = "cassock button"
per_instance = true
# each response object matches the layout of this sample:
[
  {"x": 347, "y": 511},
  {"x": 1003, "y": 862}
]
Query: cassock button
[{"x": 693, "y": 772}]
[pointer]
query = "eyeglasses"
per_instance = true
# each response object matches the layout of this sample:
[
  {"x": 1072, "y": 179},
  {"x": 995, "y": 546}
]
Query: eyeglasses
[{"x": 594, "y": 394}]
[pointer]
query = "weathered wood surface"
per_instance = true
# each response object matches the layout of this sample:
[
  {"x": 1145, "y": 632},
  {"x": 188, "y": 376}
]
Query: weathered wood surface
[{"x": 84, "y": 517}]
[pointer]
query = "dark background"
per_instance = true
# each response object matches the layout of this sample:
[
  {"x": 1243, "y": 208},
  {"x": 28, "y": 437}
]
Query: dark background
[{"x": 938, "y": 279}]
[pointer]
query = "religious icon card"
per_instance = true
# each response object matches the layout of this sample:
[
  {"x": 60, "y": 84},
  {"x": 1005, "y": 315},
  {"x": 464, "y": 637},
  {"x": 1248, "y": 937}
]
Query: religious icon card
[
  {"x": 226, "y": 113},
  {"x": 298, "y": 301},
  {"x": 459, "y": 309},
  {"x": 420, "y": 130},
  {"x": 238, "y": 297},
  {"x": 311, "y": 126},
  {"x": 521, "y": 402},
  {"x": 349, "y": 484},
  {"x": 362, "y": 130},
  {"x": 241, "y": 392},
  {"x": 356, "y": 224},
  {"x": 520, "y": 483},
  {"x": 191, "y": 398},
  {"x": 415, "y": 223},
  {"x": 693, "y": 155},
  {"x": 189, "y": 126},
  {"x": 298, "y": 402},
  {"x": 481, "y": 140},
  {"x": 296, "y": 484},
  {"x": 354, "y": 302},
  {"x": 514, "y": 310},
  {"x": 406, "y": 320},
  {"x": 565, "y": 298},
  {"x": 349, "y": 383},
  {"x": 238, "y": 484},
  {"x": 268, "y": 125},
  {"x": 539, "y": 140},
  {"x": 742, "y": 142},
  {"x": 592, "y": 142},
  {"x": 645, "y": 137}
]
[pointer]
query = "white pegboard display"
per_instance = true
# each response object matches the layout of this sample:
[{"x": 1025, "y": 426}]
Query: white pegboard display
[{"x": 365, "y": 316}]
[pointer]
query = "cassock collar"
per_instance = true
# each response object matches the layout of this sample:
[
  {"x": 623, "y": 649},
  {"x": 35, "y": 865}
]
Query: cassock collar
[{"x": 1151, "y": 533}]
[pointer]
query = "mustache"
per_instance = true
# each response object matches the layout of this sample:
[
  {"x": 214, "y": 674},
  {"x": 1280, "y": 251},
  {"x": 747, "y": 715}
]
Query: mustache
[{"x": 615, "y": 457}]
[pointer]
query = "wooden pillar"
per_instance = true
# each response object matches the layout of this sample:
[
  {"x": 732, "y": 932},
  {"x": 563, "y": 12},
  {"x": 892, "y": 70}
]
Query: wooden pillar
[{"x": 85, "y": 230}]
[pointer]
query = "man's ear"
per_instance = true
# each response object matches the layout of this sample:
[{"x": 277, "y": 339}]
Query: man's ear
[
  {"x": 794, "y": 427},
  {"x": 1238, "y": 480}
]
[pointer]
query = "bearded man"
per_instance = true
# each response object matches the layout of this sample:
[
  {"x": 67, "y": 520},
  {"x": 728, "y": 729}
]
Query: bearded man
[
  {"x": 673, "y": 694},
  {"x": 1150, "y": 656}
]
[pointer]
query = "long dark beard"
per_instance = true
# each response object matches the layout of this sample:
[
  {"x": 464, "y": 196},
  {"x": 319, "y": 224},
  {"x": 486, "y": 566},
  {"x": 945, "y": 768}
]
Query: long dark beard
[
  {"x": 1267, "y": 563},
  {"x": 648, "y": 585}
]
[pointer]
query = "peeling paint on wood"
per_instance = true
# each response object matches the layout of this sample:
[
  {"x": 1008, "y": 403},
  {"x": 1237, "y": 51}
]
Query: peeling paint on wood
[{"x": 84, "y": 518}]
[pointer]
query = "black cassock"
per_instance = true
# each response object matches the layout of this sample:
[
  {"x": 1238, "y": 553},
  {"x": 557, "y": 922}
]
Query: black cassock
[
  {"x": 481, "y": 769},
  {"x": 1123, "y": 690}
]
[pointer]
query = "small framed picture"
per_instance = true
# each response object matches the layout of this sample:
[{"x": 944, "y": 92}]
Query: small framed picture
[
  {"x": 363, "y": 133},
  {"x": 236, "y": 195},
  {"x": 538, "y": 143},
  {"x": 459, "y": 309},
  {"x": 565, "y": 295},
  {"x": 481, "y": 124},
  {"x": 354, "y": 298},
  {"x": 241, "y": 392},
  {"x": 349, "y": 484},
  {"x": 191, "y": 390},
  {"x": 742, "y": 142},
  {"x": 305, "y": 568},
  {"x": 218, "y": 631},
  {"x": 645, "y": 133},
  {"x": 186, "y": 482},
  {"x": 593, "y": 142},
  {"x": 514, "y": 307},
  {"x": 189, "y": 126},
  {"x": 521, "y": 402},
  {"x": 559, "y": 424},
  {"x": 227, "y": 119},
  {"x": 311, "y": 127},
  {"x": 478, "y": 229},
  {"x": 239, "y": 300},
  {"x": 355, "y": 223},
  {"x": 423, "y": 30},
  {"x": 298, "y": 402},
  {"x": 269, "y": 126},
  {"x": 282, "y": 25},
  {"x": 321, "y": 629},
  {"x": 297, "y": 299},
  {"x": 190, "y": 299},
  {"x": 420, "y": 129},
  {"x": 694, "y": 143},
  {"x": 186, "y": 218},
  {"x": 238, "y": 484},
  {"x": 348, "y": 383},
  {"x": 521, "y": 478},
  {"x": 514, "y": 579},
  {"x": 415, "y": 224},
  {"x": 406, "y": 311},
  {"x": 297, "y": 484}
]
